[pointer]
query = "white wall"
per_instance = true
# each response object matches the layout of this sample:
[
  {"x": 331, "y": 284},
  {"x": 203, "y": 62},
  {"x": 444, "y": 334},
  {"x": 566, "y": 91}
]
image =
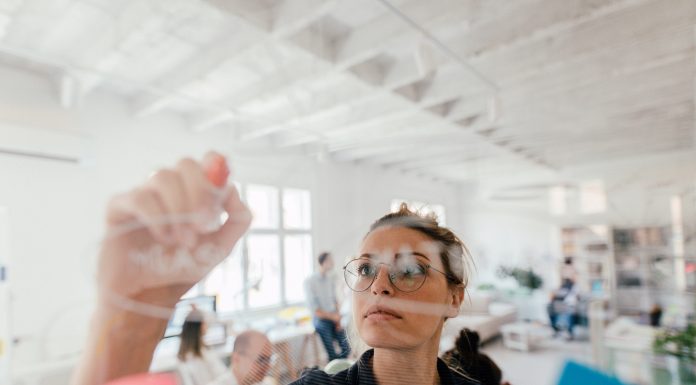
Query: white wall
[
  {"x": 56, "y": 209},
  {"x": 504, "y": 237}
]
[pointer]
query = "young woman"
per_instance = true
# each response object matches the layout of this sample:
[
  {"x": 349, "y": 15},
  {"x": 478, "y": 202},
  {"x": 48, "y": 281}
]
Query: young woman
[
  {"x": 197, "y": 366},
  {"x": 407, "y": 279}
]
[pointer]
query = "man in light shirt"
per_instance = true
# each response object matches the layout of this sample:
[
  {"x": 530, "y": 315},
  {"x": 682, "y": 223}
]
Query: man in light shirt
[{"x": 320, "y": 289}]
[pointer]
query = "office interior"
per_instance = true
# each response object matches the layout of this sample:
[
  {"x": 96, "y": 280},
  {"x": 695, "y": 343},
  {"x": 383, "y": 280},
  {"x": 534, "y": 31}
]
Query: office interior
[{"x": 539, "y": 131}]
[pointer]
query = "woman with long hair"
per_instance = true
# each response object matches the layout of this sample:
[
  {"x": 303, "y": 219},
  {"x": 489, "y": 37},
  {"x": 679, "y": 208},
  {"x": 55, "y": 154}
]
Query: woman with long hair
[{"x": 197, "y": 365}]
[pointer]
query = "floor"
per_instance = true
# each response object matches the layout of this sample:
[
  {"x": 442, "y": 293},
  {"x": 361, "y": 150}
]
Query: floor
[{"x": 540, "y": 366}]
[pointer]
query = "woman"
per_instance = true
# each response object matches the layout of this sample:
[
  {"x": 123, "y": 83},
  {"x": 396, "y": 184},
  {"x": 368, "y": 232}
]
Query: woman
[
  {"x": 197, "y": 366},
  {"x": 408, "y": 278}
]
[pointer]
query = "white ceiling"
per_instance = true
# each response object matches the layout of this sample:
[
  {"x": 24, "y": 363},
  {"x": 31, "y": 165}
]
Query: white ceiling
[{"x": 573, "y": 82}]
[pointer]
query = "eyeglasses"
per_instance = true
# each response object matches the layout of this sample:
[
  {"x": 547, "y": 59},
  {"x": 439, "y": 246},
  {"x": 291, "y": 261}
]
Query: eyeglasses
[
  {"x": 406, "y": 276},
  {"x": 266, "y": 360},
  {"x": 263, "y": 359}
]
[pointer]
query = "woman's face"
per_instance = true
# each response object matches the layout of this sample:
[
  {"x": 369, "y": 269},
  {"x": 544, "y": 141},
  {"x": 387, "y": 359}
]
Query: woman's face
[{"x": 386, "y": 317}]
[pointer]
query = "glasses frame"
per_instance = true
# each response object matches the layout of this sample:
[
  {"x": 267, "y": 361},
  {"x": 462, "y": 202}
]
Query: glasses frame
[
  {"x": 261, "y": 359},
  {"x": 390, "y": 276}
]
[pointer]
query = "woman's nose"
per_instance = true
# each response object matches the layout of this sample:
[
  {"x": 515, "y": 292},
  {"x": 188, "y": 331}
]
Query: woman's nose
[{"x": 382, "y": 284}]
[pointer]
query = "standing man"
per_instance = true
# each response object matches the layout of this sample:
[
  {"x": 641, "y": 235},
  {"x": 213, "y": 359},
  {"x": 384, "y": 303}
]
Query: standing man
[{"x": 320, "y": 289}]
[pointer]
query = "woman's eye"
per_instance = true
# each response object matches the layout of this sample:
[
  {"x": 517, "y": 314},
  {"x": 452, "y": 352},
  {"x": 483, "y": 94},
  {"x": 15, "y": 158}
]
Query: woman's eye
[
  {"x": 366, "y": 269},
  {"x": 412, "y": 270}
]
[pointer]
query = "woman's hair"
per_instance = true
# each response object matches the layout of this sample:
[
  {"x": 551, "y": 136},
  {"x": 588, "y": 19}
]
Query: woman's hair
[
  {"x": 322, "y": 257},
  {"x": 465, "y": 357},
  {"x": 453, "y": 252},
  {"x": 191, "y": 335}
]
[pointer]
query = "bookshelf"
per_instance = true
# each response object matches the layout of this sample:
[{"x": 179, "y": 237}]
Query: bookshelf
[
  {"x": 644, "y": 268},
  {"x": 590, "y": 247}
]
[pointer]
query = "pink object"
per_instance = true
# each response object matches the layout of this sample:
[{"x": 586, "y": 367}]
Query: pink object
[
  {"x": 216, "y": 170},
  {"x": 147, "y": 379}
]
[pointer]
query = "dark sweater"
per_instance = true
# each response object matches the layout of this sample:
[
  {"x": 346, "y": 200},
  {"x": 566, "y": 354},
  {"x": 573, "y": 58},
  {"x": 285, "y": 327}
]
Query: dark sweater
[{"x": 361, "y": 373}]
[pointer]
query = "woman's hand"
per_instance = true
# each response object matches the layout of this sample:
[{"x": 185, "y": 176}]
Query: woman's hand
[
  {"x": 159, "y": 241},
  {"x": 162, "y": 238}
]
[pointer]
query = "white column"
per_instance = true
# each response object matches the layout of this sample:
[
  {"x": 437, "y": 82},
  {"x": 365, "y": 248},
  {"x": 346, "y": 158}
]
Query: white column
[
  {"x": 5, "y": 336},
  {"x": 678, "y": 243}
]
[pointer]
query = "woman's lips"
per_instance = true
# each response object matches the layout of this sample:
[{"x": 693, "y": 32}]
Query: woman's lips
[
  {"x": 381, "y": 313},
  {"x": 379, "y": 316}
]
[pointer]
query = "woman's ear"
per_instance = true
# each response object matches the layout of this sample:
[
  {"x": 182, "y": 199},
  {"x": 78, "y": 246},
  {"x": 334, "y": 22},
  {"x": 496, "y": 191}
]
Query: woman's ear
[{"x": 456, "y": 297}]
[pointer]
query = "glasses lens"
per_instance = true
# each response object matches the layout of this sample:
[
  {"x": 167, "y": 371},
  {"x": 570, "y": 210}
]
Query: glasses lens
[
  {"x": 405, "y": 276},
  {"x": 409, "y": 276},
  {"x": 359, "y": 274}
]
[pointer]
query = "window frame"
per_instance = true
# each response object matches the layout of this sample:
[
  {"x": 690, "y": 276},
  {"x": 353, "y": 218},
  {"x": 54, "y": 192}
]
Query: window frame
[{"x": 282, "y": 232}]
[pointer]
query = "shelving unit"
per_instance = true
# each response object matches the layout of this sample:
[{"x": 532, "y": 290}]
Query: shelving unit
[
  {"x": 591, "y": 250},
  {"x": 644, "y": 267}
]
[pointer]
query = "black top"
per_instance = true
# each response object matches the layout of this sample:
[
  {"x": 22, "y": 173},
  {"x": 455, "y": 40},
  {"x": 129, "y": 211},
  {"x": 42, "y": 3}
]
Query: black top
[{"x": 361, "y": 373}]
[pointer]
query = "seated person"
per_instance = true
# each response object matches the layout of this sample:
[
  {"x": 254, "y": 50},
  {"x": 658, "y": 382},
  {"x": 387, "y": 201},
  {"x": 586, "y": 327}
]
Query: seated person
[
  {"x": 251, "y": 357},
  {"x": 197, "y": 365},
  {"x": 562, "y": 308}
]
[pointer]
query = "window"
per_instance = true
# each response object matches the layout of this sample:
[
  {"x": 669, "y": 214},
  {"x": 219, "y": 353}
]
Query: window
[
  {"x": 557, "y": 200},
  {"x": 227, "y": 281},
  {"x": 296, "y": 211},
  {"x": 593, "y": 199},
  {"x": 268, "y": 266},
  {"x": 298, "y": 265},
  {"x": 423, "y": 208},
  {"x": 263, "y": 202}
]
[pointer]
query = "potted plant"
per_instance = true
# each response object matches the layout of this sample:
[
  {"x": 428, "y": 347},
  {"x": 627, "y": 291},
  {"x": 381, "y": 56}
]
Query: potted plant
[
  {"x": 681, "y": 345},
  {"x": 525, "y": 278}
]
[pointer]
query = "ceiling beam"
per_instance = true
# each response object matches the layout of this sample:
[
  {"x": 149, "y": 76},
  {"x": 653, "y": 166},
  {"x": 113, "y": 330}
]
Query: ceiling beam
[
  {"x": 103, "y": 55},
  {"x": 195, "y": 68},
  {"x": 550, "y": 47},
  {"x": 269, "y": 24},
  {"x": 385, "y": 152},
  {"x": 388, "y": 31},
  {"x": 445, "y": 159},
  {"x": 291, "y": 16}
]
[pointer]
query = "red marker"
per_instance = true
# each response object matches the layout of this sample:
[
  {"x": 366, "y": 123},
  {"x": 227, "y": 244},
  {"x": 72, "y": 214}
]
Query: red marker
[{"x": 216, "y": 170}]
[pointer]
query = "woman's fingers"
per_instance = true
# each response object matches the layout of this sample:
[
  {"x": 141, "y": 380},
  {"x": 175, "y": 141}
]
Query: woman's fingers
[
  {"x": 178, "y": 205},
  {"x": 204, "y": 198},
  {"x": 238, "y": 220},
  {"x": 141, "y": 206},
  {"x": 170, "y": 188}
]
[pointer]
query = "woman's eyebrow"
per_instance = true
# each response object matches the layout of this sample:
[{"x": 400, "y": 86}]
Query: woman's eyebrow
[
  {"x": 396, "y": 256},
  {"x": 399, "y": 255}
]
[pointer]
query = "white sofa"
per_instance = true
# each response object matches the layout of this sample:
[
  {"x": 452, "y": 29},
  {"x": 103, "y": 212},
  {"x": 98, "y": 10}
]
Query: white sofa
[{"x": 480, "y": 313}]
